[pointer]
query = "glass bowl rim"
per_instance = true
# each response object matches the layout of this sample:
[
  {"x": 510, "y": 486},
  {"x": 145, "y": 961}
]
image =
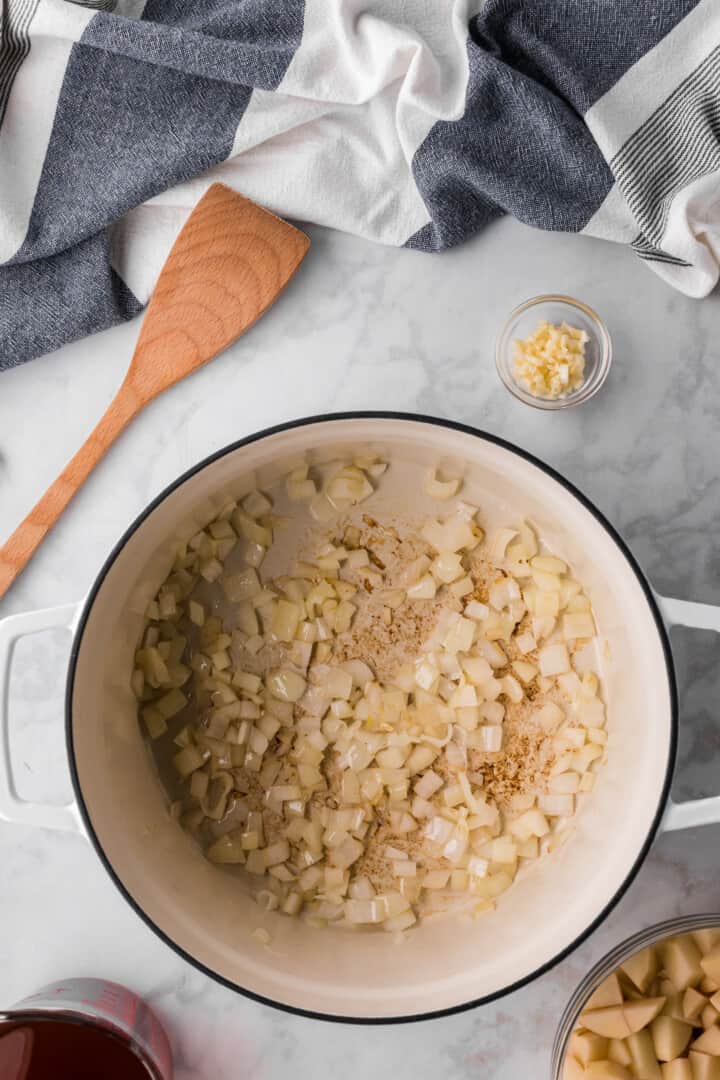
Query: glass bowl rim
[
  {"x": 591, "y": 385},
  {"x": 681, "y": 924}
]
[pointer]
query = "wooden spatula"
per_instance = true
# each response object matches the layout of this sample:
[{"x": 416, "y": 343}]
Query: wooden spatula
[{"x": 227, "y": 266}]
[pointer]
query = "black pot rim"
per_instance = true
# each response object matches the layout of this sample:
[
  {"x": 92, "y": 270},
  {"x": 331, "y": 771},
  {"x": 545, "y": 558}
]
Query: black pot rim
[{"x": 599, "y": 517}]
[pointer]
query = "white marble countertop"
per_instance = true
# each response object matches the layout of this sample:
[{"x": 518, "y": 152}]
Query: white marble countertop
[{"x": 362, "y": 327}]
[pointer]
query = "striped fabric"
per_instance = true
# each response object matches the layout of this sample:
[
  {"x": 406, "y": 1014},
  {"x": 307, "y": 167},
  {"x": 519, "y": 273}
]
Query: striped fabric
[
  {"x": 14, "y": 44},
  {"x": 689, "y": 118},
  {"x": 408, "y": 122}
]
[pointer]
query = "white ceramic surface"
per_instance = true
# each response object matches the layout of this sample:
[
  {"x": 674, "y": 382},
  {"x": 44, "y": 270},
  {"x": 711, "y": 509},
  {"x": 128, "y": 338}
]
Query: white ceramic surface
[{"x": 363, "y": 327}]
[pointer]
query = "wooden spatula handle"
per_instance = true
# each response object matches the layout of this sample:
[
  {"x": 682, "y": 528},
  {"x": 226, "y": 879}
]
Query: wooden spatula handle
[
  {"x": 21, "y": 546},
  {"x": 229, "y": 263}
]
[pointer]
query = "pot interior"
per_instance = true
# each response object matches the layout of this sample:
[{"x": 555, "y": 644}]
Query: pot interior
[{"x": 447, "y": 962}]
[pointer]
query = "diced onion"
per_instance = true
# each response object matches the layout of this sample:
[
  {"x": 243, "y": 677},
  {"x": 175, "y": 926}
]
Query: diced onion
[
  {"x": 578, "y": 625},
  {"x": 551, "y": 716},
  {"x": 315, "y": 774},
  {"x": 554, "y": 660},
  {"x": 226, "y": 850},
  {"x": 491, "y": 737},
  {"x": 435, "y": 879},
  {"x": 564, "y": 784},
  {"x": 286, "y": 685},
  {"x": 428, "y": 784},
  {"x": 440, "y": 489},
  {"x": 557, "y": 805},
  {"x": 298, "y": 485},
  {"x": 348, "y": 852},
  {"x": 525, "y": 642},
  {"x": 499, "y": 543},
  {"x": 364, "y": 911},
  {"x": 438, "y": 830},
  {"x": 492, "y": 652},
  {"x": 462, "y": 587},
  {"x": 457, "y": 844},
  {"x": 242, "y": 586},
  {"x": 459, "y": 637},
  {"x": 447, "y": 567}
]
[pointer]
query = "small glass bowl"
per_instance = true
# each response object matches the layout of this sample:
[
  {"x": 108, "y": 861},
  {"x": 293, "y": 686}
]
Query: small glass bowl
[
  {"x": 555, "y": 309},
  {"x": 652, "y": 936}
]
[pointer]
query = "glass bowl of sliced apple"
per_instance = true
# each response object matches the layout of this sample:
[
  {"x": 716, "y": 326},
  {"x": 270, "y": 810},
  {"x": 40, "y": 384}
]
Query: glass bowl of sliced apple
[{"x": 650, "y": 1009}]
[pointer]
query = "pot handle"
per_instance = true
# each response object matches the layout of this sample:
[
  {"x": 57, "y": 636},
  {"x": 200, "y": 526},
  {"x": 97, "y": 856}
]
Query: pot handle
[
  {"x": 12, "y": 807},
  {"x": 693, "y": 812}
]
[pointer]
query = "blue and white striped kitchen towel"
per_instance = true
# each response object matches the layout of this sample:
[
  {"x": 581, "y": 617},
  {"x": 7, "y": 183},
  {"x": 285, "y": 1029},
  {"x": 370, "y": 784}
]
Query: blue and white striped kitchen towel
[{"x": 410, "y": 122}]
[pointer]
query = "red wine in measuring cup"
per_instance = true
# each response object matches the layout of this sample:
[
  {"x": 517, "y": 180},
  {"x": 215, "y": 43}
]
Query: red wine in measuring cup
[{"x": 83, "y": 1029}]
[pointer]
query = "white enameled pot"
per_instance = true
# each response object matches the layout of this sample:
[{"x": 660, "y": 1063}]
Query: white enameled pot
[{"x": 201, "y": 911}]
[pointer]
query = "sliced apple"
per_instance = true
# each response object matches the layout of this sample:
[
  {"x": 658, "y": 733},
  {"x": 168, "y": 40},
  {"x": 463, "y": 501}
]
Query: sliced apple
[
  {"x": 609, "y": 1022},
  {"x": 710, "y": 964},
  {"x": 679, "y": 1069},
  {"x": 693, "y": 1003},
  {"x": 638, "y": 1023},
  {"x": 708, "y": 1042},
  {"x": 704, "y": 1067},
  {"x": 670, "y": 1037},
  {"x": 706, "y": 940},
  {"x": 681, "y": 960},
  {"x": 638, "y": 1014},
  {"x": 573, "y": 1070},
  {"x": 642, "y": 968},
  {"x": 709, "y": 1016},
  {"x": 586, "y": 1046},
  {"x": 607, "y": 1070},
  {"x": 607, "y": 993},
  {"x": 674, "y": 1005},
  {"x": 642, "y": 1051},
  {"x": 619, "y": 1053}
]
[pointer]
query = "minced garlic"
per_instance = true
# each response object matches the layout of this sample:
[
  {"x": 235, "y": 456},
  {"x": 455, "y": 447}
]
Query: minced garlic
[{"x": 551, "y": 361}]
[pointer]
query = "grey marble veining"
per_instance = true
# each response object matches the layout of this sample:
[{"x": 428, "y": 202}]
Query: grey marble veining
[{"x": 363, "y": 327}]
